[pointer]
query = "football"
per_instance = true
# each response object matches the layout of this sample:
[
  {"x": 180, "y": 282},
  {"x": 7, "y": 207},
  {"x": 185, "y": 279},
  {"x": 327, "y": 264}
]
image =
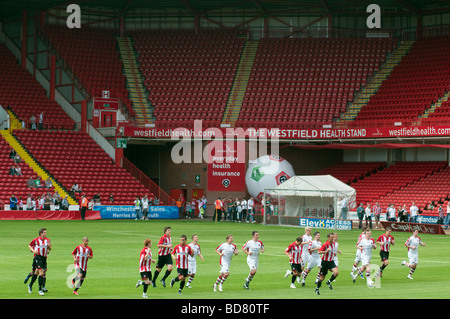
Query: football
[{"x": 268, "y": 171}]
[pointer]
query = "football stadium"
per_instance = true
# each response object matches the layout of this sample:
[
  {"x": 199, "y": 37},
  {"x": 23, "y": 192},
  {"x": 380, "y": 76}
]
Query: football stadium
[{"x": 224, "y": 157}]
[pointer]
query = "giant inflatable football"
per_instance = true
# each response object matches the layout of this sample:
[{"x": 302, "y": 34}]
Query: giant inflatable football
[{"x": 268, "y": 171}]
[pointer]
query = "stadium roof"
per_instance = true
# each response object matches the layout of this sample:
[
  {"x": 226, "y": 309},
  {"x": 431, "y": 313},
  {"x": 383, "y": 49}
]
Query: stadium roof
[{"x": 10, "y": 8}]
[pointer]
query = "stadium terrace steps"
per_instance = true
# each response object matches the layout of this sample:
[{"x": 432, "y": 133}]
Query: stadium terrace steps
[
  {"x": 306, "y": 83},
  {"x": 188, "y": 75},
  {"x": 374, "y": 84},
  {"x": 135, "y": 82},
  {"x": 29, "y": 160},
  {"x": 435, "y": 109},
  {"x": 413, "y": 86},
  {"x": 240, "y": 82}
]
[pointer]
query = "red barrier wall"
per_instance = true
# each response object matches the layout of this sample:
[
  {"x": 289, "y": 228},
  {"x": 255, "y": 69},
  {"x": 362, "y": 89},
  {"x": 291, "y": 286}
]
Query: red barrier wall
[{"x": 47, "y": 215}]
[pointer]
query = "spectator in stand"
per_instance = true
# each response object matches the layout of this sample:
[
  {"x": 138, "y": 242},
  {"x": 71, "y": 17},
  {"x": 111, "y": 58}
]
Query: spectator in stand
[
  {"x": 156, "y": 201},
  {"x": 48, "y": 183},
  {"x": 76, "y": 189},
  {"x": 29, "y": 207},
  {"x": 2, "y": 205},
  {"x": 12, "y": 154},
  {"x": 137, "y": 208},
  {"x": 47, "y": 202},
  {"x": 447, "y": 217},
  {"x": 145, "y": 204},
  {"x": 111, "y": 199},
  {"x": 414, "y": 211},
  {"x": 65, "y": 203},
  {"x": 441, "y": 215},
  {"x": 377, "y": 212},
  {"x": 250, "y": 209},
  {"x": 37, "y": 182},
  {"x": 18, "y": 170},
  {"x": 402, "y": 214},
  {"x": 13, "y": 202},
  {"x": 33, "y": 122},
  {"x": 96, "y": 198},
  {"x": 391, "y": 213},
  {"x": 30, "y": 183},
  {"x": 368, "y": 215},
  {"x": 360, "y": 213},
  {"x": 34, "y": 205},
  {"x": 12, "y": 171},
  {"x": 20, "y": 203},
  {"x": 17, "y": 159},
  {"x": 344, "y": 207},
  {"x": 41, "y": 121}
]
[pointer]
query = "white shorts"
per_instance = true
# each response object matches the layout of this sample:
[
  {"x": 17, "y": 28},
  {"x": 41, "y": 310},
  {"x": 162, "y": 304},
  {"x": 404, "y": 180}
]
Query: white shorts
[
  {"x": 314, "y": 262},
  {"x": 305, "y": 258},
  {"x": 413, "y": 258},
  {"x": 192, "y": 267},
  {"x": 365, "y": 260},
  {"x": 252, "y": 263},
  {"x": 224, "y": 268}
]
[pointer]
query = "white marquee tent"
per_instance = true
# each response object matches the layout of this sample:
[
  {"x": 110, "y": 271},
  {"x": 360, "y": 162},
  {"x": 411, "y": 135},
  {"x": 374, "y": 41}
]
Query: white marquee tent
[{"x": 302, "y": 194}]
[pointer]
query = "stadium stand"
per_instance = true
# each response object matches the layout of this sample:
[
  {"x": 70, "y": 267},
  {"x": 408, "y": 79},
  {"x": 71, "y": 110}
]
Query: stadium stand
[
  {"x": 16, "y": 185},
  {"x": 352, "y": 172},
  {"x": 300, "y": 83},
  {"x": 74, "y": 157},
  {"x": 393, "y": 178},
  {"x": 413, "y": 86},
  {"x": 93, "y": 57},
  {"x": 432, "y": 189},
  {"x": 188, "y": 76},
  {"x": 25, "y": 97}
]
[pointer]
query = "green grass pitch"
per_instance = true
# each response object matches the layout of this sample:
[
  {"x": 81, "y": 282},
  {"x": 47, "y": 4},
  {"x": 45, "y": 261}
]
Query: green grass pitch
[{"x": 113, "y": 272}]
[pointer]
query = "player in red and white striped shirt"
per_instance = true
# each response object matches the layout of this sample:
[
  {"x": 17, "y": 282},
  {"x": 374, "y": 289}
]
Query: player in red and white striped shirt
[
  {"x": 81, "y": 254},
  {"x": 145, "y": 270},
  {"x": 40, "y": 247},
  {"x": 182, "y": 251},
  {"x": 164, "y": 256},
  {"x": 385, "y": 241},
  {"x": 327, "y": 252},
  {"x": 294, "y": 252}
]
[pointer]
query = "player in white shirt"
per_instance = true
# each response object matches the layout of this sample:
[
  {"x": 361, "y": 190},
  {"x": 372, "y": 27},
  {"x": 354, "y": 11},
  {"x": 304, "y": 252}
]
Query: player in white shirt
[
  {"x": 358, "y": 252},
  {"x": 367, "y": 245},
  {"x": 413, "y": 244},
  {"x": 314, "y": 258},
  {"x": 192, "y": 260},
  {"x": 226, "y": 252},
  {"x": 252, "y": 248},
  {"x": 306, "y": 240}
]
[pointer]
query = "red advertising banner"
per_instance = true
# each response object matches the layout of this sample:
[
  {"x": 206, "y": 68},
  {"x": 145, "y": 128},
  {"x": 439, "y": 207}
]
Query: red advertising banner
[
  {"x": 226, "y": 166},
  {"x": 291, "y": 134},
  {"x": 434, "y": 229}
]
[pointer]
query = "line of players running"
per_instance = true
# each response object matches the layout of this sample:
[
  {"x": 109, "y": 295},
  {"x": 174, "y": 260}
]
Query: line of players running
[
  {"x": 305, "y": 248},
  {"x": 324, "y": 256}
]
